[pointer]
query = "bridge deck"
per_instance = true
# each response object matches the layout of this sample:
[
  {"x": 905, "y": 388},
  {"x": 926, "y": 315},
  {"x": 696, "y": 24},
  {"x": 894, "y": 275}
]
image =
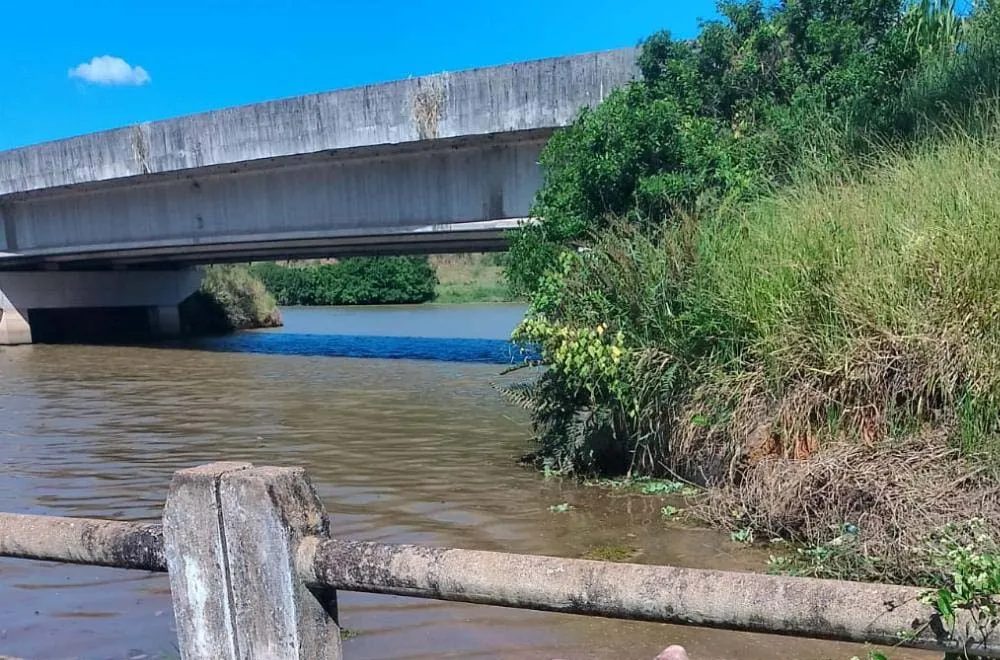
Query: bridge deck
[
  {"x": 440, "y": 163},
  {"x": 503, "y": 99}
]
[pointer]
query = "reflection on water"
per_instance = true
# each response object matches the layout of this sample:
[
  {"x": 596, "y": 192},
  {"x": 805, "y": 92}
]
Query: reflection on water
[
  {"x": 400, "y": 450},
  {"x": 489, "y": 351}
]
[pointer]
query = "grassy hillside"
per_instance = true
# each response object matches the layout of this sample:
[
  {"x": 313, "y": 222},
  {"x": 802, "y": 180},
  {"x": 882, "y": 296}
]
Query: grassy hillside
[
  {"x": 469, "y": 278},
  {"x": 770, "y": 267}
]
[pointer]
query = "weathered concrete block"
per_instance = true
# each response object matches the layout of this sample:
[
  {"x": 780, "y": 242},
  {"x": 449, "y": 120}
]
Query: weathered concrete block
[
  {"x": 267, "y": 511},
  {"x": 197, "y": 564},
  {"x": 232, "y": 535}
]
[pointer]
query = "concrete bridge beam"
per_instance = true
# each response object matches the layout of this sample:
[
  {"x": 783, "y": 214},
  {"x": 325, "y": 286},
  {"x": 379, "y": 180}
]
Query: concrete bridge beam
[
  {"x": 419, "y": 165},
  {"x": 327, "y": 202}
]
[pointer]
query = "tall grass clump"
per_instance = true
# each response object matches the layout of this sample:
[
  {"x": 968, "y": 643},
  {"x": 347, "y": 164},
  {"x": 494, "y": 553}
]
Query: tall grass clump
[
  {"x": 960, "y": 67},
  {"x": 230, "y": 298},
  {"x": 872, "y": 322},
  {"x": 769, "y": 266},
  {"x": 854, "y": 323},
  {"x": 872, "y": 302}
]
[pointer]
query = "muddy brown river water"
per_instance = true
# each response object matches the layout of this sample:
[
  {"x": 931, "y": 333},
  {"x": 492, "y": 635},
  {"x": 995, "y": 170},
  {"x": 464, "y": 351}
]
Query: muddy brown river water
[{"x": 392, "y": 412}]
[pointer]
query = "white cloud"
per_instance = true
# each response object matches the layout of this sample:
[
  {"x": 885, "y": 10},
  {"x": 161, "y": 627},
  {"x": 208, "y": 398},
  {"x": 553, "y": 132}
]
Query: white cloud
[{"x": 108, "y": 70}]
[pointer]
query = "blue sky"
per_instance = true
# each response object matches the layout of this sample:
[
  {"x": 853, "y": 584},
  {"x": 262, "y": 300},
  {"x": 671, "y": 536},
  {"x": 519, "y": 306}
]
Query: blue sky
[{"x": 190, "y": 56}]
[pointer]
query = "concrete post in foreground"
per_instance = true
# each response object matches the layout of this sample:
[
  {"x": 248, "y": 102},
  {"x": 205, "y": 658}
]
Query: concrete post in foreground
[{"x": 232, "y": 533}]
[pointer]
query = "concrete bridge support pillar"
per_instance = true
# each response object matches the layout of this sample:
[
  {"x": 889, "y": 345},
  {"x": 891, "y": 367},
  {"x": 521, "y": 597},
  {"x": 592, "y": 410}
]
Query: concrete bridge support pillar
[
  {"x": 165, "y": 321},
  {"x": 88, "y": 305},
  {"x": 14, "y": 328}
]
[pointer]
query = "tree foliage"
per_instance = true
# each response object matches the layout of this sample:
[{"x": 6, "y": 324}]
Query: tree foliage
[
  {"x": 733, "y": 113},
  {"x": 647, "y": 199},
  {"x": 358, "y": 281}
]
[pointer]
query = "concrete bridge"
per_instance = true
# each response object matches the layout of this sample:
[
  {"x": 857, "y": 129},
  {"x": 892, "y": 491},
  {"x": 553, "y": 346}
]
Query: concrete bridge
[{"x": 443, "y": 163}]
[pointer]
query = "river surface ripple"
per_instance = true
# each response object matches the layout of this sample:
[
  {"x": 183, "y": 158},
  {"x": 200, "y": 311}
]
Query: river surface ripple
[{"x": 392, "y": 413}]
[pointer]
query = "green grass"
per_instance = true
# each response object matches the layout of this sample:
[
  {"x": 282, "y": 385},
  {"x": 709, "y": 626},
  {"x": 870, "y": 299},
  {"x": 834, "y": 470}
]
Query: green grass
[
  {"x": 462, "y": 293},
  {"x": 230, "y": 298},
  {"x": 840, "y": 309},
  {"x": 881, "y": 294},
  {"x": 852, "y": 321},
  {"x": 470, "y": 278}
]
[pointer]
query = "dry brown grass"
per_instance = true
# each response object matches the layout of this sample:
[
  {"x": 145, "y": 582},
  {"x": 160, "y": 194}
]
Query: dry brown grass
[
  {"x": 428, "y": 105},
  {"x": 899, "y": 496},
  {"x": 871, "y": 444}
]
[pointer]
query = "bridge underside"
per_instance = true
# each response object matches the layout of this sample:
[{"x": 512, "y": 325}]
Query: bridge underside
[
  {"x": 489, "y": 236},
  {"x": 107, "y": 225},
  {"x": 457, "y": 195}
]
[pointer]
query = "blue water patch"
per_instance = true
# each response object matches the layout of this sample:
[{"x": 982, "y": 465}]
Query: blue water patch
[{"x": 488, "y": 351}]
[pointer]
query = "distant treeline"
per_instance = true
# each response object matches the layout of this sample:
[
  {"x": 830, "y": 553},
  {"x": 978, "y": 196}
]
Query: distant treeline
[{"x": 357, "y": 281}]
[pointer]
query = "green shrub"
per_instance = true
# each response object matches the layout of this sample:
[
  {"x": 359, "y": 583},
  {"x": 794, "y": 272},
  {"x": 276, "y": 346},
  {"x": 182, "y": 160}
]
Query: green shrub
[
  {"x": 783, "y": 244},
  {"x": 359, "y": 281},
  {"x": 647, "y": 185},
  {"x": 851, "y": 322},
  {"x": 726, "y": 116},
  {"x": 877, "y": 296},
  {"x": 229, "y": 298}
]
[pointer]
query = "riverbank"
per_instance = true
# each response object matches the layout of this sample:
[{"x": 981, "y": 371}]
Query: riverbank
[
  {"x": 784, "y": 289},
  {"x": 846, "y": 400},
  {"x": 470, "y": 278}
]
